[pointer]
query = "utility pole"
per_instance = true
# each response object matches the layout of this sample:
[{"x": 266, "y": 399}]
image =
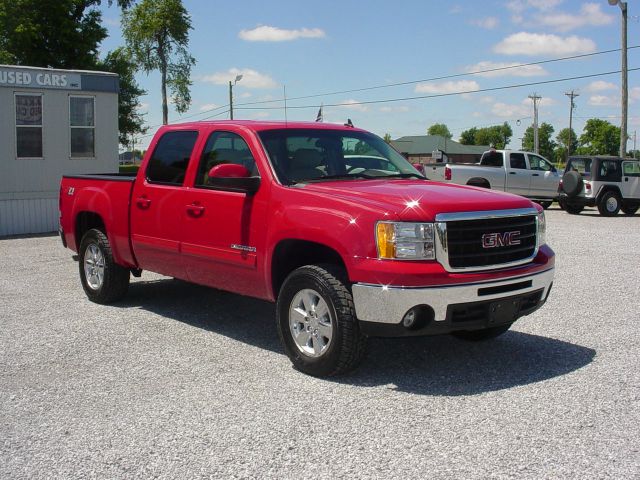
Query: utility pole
[
  {"x": 572, "y": 105},
  {"x": 536, "y": 142},
  {"x": 625, "y": 92}
]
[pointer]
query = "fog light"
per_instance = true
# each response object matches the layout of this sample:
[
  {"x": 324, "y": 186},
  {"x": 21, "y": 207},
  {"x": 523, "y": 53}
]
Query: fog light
[{"x": 409, "y": 319}]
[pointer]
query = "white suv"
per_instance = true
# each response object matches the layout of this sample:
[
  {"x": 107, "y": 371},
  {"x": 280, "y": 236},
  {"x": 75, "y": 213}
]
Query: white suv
[{"x": 610, "y": 183}]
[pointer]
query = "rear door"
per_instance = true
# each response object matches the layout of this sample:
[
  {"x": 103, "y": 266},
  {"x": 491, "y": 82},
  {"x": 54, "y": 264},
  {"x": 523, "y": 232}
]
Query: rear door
[
  {"x": 223, "y": 231},
  {"x": 158, "y": 204},
  {"x": 544, "y": 177},
  {"x": 631, "y": 179},
  {"x": 518, "y": 174}
]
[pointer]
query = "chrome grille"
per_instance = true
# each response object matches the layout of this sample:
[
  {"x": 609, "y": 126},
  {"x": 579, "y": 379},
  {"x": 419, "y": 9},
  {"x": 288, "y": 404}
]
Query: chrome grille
[{"x": 510, "y": 238}]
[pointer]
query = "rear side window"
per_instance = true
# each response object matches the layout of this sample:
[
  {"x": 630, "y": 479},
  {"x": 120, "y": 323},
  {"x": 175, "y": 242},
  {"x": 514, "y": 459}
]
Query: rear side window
[
  {"x": 580, "y": 165},
  {"x": 609, "y": 171},
  {"x": 516, "y": 160},
  {"x": 170, "y": 159}
]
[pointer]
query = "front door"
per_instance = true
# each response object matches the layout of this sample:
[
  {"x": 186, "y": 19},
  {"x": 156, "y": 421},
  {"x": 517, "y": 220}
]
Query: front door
[
  {"x": 222, "y": 246},
  {"x": 544, "y": 178},
  {"x": 157, "y": 205},
  {"x": 631, "y": 180}
]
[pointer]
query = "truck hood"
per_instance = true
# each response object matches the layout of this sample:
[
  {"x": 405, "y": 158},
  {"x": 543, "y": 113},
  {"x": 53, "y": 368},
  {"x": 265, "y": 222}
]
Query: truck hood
[{"x": 415, "y": 199}]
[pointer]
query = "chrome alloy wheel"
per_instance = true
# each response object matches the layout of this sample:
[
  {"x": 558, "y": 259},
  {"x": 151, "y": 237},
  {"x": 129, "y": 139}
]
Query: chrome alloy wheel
[
  {"x": 612, "y": 204},
  {"x": 94, "y": 266},
  {"x": 311, "y": 323}
]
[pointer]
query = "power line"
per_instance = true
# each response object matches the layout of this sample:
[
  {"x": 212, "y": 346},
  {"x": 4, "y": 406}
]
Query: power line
[{"x": 438, "y": 95}]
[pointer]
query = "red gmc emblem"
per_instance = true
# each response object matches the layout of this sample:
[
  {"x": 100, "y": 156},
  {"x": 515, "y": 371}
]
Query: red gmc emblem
[{"x": 506, "y": 239}]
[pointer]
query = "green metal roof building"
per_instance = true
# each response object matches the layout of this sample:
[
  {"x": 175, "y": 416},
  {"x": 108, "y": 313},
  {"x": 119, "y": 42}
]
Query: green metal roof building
[{"x": 424, "y": 148}]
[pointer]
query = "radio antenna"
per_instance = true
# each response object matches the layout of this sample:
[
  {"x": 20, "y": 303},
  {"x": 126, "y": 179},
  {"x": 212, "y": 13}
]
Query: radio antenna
[{"x": 284, "y": 90}]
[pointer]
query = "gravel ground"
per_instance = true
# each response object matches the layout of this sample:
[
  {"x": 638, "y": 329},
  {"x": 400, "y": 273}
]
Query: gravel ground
[{"x": 179, "y": 381}]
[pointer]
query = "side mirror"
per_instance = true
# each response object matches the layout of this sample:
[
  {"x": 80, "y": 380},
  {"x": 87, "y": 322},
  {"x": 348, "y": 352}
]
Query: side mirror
[{"x": 233, "y": 177}]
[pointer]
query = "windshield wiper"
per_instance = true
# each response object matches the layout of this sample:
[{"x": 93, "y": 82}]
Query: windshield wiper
[
  {"x": 342, "y": 176},
  {"x": 407, "y": 175}
]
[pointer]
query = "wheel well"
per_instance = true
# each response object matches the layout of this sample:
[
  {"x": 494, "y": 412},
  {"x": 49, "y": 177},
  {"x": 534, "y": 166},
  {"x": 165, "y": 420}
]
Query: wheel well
[
  {"x": 609, "y": 188},
  {"x": 291, "y": 254},
  {"x": 85, "y": 221},
  {"x": 479, "y": 182}
]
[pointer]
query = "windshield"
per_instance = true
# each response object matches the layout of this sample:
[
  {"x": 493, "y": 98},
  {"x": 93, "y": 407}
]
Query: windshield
[{"x": 304, "y": 155}]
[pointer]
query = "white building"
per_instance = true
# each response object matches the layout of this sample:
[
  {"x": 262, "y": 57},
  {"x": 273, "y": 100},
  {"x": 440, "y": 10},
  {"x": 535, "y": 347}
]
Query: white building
[{"x": 52, "y": 123}]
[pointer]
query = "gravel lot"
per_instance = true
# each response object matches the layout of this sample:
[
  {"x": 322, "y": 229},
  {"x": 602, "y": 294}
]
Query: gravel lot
[{"x": 183, "y": 381}]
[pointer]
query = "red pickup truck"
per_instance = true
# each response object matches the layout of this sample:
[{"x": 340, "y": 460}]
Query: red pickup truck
[{"x": 328, "y": 221}]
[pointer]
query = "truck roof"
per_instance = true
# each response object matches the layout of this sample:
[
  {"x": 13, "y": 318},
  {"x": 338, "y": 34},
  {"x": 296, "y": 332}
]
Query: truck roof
[{"x": 259, "y": 125}]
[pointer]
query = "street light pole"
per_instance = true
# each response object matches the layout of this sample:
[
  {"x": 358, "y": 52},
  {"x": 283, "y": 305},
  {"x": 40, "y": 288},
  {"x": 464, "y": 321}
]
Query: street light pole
[
  {"x": 238, "y": 78},
  {"x": 625, "y": 92}
]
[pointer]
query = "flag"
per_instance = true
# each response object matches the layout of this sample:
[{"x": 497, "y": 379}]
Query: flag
[{"x": 319, "y": 117}]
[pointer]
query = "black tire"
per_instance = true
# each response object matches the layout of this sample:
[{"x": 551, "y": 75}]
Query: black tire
[
  {"x": 483, "y": 334},
  {"x": 572, "y": 183},
  {"x": 115, "y": 279},
  {"x": 346, "y": 348},
  {"x": 609, "y": 204},
  {"x": 545, "y": 203},
  {"x": 573, "y": 209},
  {"x": 629, "y": 210}
]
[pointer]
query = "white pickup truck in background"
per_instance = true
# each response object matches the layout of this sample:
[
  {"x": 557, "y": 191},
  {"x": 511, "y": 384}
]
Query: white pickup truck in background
[{"x": 522, "y": 173}]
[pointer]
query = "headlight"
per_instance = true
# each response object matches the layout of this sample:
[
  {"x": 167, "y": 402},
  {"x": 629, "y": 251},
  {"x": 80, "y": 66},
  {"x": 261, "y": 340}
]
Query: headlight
[
  {"x": 542, "y": 229},
  {"x": 405, "y": 241}
]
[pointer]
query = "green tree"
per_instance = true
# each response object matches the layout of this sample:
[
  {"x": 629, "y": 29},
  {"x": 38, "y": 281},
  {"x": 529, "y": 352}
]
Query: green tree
[
  {"x": 387, "y": 137},
  {"x": 157, "y": 33},
  {"x": 562, "y": 140},
  {"x": 545, "y": 140},
  {"x": 497, "y": 135},
  {"x": 130, "y": 121},
  {"x": 468, "y": 137},
  {"x": 439, "y": 129},
  {"x": 67, "y": 34},
  {"x": 599, "y": 137}
]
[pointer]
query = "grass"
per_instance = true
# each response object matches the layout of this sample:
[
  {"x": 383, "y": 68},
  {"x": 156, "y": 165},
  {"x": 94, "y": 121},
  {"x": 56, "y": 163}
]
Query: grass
[{"x": 129, "y": 168}]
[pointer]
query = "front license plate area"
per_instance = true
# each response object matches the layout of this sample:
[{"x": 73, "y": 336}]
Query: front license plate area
[{"x": 503, "y": 311}]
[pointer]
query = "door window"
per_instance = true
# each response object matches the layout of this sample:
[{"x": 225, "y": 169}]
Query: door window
[
  {"x": 170, "y": 158},
  {"x": 516, "y": 160},
  {"x": 539, "y": 163},
  {"x": 631, "y": 169},
  {"x": 224, "y": 147}
]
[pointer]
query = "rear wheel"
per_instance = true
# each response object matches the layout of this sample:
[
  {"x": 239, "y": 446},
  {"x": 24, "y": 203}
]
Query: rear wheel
[
  {"x": 609, "y": 204},
  {"x": 103, "y": 280},
  {"x": 573, "y": 209},
  {"x": 317, "y": 323},
  {"x": 629, "y": 210},
  {"x": 484, "y": 334}
]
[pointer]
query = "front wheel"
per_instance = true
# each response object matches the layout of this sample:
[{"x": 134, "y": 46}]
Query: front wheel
[
  {"x": 573, "y": 209},
  {"x": 609, "y": 205},
  {"x": 483, "y": 334},
  {"x": 317, "y": 323},
  {"x": 103, "y": 280}
]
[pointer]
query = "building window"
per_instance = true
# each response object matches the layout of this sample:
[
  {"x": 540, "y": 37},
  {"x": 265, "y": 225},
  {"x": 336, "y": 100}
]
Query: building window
[
  {"x": 82, "y": 122},
  {"x": 28, "y": 126}
]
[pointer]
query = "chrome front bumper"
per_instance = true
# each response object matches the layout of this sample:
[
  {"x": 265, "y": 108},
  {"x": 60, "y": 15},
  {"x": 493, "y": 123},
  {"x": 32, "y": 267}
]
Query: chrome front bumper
[{"x": 388, "y": 304}]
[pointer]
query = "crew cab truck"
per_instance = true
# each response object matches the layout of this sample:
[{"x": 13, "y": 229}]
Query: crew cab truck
[
  {"x": 609, "y": 183},
  {"x": 522, "y": 173},
  {"x": 349, "y": 245}
]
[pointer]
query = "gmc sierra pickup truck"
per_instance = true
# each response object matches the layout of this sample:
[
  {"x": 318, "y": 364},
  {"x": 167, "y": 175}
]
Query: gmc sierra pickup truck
[
  {"x": 522, "y": 173},
  {"x": 328, "y": 221}
]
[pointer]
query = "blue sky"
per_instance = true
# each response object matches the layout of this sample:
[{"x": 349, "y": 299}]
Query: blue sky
[{"x": 333, "y": 46}]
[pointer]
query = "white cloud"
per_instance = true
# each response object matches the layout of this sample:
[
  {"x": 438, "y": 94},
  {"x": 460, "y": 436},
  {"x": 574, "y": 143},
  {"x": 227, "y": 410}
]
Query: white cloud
[
  {"x": 604, "y": 101},
  {"x": 111, "y": 22},
  {"x": 143, "y": 106},
  {"x": 519, "y": 6},
  {"x": 590, "y": 14},
  {"x": 506, "y": 110},
  {"x": 387, "y": 109},
  {"x": 634, "y": 94},
  {"x": 208, "y": 106},
  {"x": 543, "y": 102},
  {"x": 488, "y": 23},
  {"x": 521, "y": 71},
  {"x": 486, "y": 99},
  {"x": 352, "y": 104},
  {"x": 600, "y": 85},
  {"x": 266, "y": 33},
  {"x": 245, "y": 95},
  {"x": 250, "y": 78},
  {"x": 448, "y": 87},
  {"x": 532, "y": 44},
  {"x": 544, "y": 4}
]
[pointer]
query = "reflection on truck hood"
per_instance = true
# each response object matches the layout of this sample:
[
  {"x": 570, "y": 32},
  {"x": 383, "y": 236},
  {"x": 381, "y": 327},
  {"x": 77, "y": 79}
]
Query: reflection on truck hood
[{"x": 416, "y": 199}]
